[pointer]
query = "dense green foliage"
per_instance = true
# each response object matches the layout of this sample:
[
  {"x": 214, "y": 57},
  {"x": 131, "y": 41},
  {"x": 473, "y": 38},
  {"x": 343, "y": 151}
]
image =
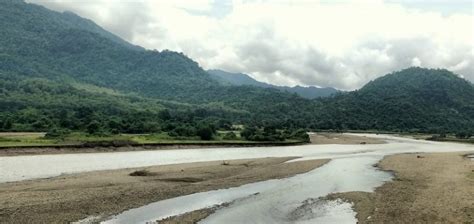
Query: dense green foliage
[
  {"x": 411, "y": 100},
  {"x": 272, "y": 134},
  {"x": 60, "y": 72}
]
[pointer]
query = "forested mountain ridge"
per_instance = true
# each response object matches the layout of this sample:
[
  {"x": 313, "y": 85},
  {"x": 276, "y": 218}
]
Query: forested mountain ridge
[
  {"x": 417, "y": 99},
  {"x": 56, "y": 65},
  {"x": 38, "y": 42},
  {"x": 239, "y": 79},
  {"x": 42, "y": 43}
]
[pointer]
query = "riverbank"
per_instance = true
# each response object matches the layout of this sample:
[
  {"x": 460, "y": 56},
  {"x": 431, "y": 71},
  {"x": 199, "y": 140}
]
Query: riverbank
[
  {"x": 103, "y": 193},
  {"x": 427, "y": 188},
  {"x": 95, "y": 148},
  {"x": 125, "y": 146}
]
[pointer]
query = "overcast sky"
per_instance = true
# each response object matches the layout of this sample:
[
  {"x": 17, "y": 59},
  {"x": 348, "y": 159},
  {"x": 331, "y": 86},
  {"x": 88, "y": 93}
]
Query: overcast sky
[{"x": 341, "y": 44}]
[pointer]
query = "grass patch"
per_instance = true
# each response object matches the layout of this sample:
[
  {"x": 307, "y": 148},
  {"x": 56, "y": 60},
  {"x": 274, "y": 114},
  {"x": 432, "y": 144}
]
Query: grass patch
[
  {"x": 11, "y": 139},
  {"x": 81, "y": 139}
]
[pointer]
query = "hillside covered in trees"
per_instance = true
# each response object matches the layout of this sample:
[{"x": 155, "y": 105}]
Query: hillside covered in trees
[{"x": 60, "y": 71}]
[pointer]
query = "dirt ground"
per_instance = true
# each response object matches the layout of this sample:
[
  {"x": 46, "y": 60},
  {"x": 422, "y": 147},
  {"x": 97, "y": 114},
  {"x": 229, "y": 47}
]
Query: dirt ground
[
  {"x": 428, "y": 188},
  {"x": 340, "y": 138},
  {"x": 103, "y": 193}
]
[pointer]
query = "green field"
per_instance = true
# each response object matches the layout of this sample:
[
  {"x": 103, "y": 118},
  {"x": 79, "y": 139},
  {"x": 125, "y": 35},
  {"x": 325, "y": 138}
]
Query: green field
[{"x": 27, "y": 139}]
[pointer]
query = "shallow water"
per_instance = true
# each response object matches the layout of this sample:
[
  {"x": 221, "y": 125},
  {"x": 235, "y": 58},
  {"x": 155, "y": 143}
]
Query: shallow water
[
  {"x": 17, "y": 168},
  {"x": 295, "y": 199},
  {"x": 277, "y": 201},
  {"x": 288, "y": 200}
]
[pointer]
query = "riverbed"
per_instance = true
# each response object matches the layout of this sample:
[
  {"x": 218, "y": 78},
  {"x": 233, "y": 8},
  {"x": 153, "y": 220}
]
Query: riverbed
[{"x": 288, "y": 200}]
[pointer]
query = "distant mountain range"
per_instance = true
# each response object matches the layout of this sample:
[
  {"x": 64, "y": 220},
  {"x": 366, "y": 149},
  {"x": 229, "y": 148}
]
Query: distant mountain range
[
  {"x": 58, "y": 70},
  {"x": 240, "y": 79}
]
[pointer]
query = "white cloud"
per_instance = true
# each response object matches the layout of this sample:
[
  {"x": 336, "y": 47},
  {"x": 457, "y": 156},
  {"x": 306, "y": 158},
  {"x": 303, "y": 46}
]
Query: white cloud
[{"x": 343, "y": 44}]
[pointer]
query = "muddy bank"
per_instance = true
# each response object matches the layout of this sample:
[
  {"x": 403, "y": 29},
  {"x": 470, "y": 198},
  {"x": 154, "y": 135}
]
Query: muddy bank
[
  {"x": 428, "y": 188},
  {"x": 341, "y": 138},
  {"x": 102, "y": 193}
]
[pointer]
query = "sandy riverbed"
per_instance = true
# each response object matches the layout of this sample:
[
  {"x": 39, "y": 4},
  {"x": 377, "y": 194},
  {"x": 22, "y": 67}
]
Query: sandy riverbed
[
  {"x": 102, "y": 193},
  {"x": 428, "y": 188},
  {"x": 341, "y": 138}
]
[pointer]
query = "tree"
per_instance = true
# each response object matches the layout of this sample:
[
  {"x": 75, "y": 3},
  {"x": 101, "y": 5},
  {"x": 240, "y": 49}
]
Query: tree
[
  {"x": 230, "y": 136},
  {"x": 205, "y": 132},
  {"x": 248, "y": 132},
  {"x": 164, "y": 114},
  {"x": 463, "y": 135},
  {"x": 94, "y": 127},
  {"x": 8, "y": 124},
  {"x": 301, "y": 135}
]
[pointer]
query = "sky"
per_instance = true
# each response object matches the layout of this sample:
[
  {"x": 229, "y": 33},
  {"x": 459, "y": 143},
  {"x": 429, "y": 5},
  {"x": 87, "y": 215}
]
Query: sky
[{"x": 340, "y": 43}]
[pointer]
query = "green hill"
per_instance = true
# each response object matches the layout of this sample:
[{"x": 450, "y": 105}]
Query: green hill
[
  {"x": 58, "y": 70},
  {"x": 75, "y": 54},
  {"x": 416, "y": 99}
]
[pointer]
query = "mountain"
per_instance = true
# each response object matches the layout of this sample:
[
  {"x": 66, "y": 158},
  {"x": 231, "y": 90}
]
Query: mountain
[
  {"x": 413, "y": 99},
  {"x": 240, "y": 79},
  {"x": 40, "y": 46},
  {"x": 41, "y": 43},
  {"x": 58, "y": 70}
]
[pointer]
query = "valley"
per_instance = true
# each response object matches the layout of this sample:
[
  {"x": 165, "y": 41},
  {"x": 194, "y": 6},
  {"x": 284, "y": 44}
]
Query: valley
[{"x": 147, "y": 111}]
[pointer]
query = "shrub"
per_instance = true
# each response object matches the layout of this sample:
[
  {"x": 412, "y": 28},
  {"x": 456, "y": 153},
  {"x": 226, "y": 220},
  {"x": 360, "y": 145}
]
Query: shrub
[
  {"x": 205, "y": 132},
  {"x": 463, "y": 135},
  {"x": 230, "y": 136},
  {"x": 141, "y": 173},
  {"x": 56, "y": 133}
]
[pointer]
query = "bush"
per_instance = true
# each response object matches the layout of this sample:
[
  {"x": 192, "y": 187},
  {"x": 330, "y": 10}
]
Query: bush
[
  {"x": 185, "y": 131},
  {"x": 56, "y": 133},
  {"x": 463, "y": 135},
  {"x": 230, "y": 136},
  {"x": 141, "y": 173},
  {"x": 269, "y": 134},
  {"x": 301, "y": 134},
  {"x": 205, "y": 132},
  {"x": 94, "y": 127},
  {"x": 248, "y": 133}
]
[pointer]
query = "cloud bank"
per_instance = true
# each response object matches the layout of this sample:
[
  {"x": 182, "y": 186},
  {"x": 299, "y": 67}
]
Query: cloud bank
[{"x": 342, "y": 44}]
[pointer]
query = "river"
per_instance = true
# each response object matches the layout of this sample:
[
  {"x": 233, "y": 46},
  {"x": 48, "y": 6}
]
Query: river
[{"x": 288, "y": 200}]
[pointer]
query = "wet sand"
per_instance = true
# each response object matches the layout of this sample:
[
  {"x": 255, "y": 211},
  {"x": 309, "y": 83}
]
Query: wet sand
[
  {"x": 342, "y": 138},
  {"x": 427, "y": 188},
  {"x": 103, "y": 193}
]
